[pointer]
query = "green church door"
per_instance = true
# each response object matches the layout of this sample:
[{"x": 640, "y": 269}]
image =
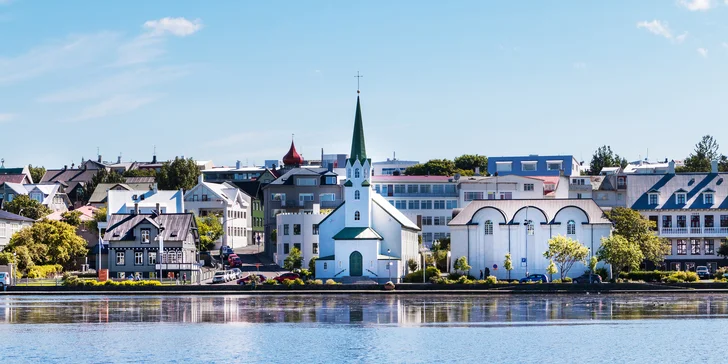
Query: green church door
[{"x": 355, "y": 264}]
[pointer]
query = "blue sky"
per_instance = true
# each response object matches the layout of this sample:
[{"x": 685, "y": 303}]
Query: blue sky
[{"x": 232, "y": 80}]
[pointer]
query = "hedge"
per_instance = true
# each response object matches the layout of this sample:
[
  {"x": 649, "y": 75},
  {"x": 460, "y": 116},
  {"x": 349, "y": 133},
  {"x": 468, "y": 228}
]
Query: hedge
[
  {"x": 647, "y": 276},
  {"x": 416, "y": 276}
]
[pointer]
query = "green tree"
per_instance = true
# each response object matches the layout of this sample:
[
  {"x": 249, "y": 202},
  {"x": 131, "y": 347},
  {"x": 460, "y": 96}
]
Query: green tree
[
  {"x": 620, "y": 253},
  {"x": 634, "y": 227},
  {"x": 593, "y": 263},
  {"x": 99, "y": 216},
  {"x": 48, "y": 242},
  {"x": 604, "y": 157},
  {"x": 468, "y": 162},
  {"x": 461, "y": 265},
  {"x": 210, "y": 230},
  {"x": 23, "y": 205},
  {"x": 705, "y": 152},
  {"x": 274, "y": 235},
  {"x": 434, "y": 167},
  {"x": 140, "y": 173},
  {"x": 551, "y": 270},
  {"x": 565, "y": 252},
  {"x": 72, "y": 218},
  {"x": 293, "y": 260},
  {"x": 6, "y": 258},
  {"x": 312, "y": 266},
  {"x": 36, "y": 173},
  {"x": 178, "y": 174},
  {"x": 102, "y": 176},
  {"x": 723, "y": 249},
  {"x": 508, "y": 264},
  {"x": 412, "y": 264}
]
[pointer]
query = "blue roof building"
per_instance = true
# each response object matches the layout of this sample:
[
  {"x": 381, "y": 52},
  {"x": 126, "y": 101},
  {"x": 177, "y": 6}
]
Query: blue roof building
[{"x": 534, "y": 165}]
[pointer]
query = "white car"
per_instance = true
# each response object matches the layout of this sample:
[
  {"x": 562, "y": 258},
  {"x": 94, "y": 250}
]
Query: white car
[
  {"x": 4, "y": 279},
  {"x": 237, "y": 273},
  {"x": 220, "y": 277}
]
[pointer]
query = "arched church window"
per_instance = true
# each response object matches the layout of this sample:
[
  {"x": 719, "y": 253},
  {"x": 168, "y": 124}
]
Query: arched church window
[
  {"x": 488, "y": 227},
  {"x": 357, "y": 195},
  {"x": 356, "y": 173},
  {"x": 571, "y": 227},
  {"x": 357, "y": 216}
]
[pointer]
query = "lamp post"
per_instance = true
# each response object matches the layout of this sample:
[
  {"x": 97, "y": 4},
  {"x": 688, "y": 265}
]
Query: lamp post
[
  {"x": 161, "y": 249},
  {"x": 15, "y": 269},
  {"x": 389, "y": 264},
  {"x": 526, "y": 223}
]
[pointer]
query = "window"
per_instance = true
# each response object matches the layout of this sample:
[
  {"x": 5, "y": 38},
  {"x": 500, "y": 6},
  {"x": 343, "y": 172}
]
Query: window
[
  {"x": 413, "y": 204},
  {"x": 315, "y": 229},
  {"x": 694, "y": 246},
  {"x": 357, "y": 195},
  {"x": 439, "y": 220},
  {"x": 377, "y": 188},
  {"x": 528, "y": 166},
  {"x": 553, "y": 165},
  {"x": 470, "y": 196},
  {"x": 285, "y": 229},
  {"x": 412, "y": 189},
  {"x": 425, "y": 189},
  {"x": 305, "y": 197},
  {"x": 205, "y": 198},
  {"x": 286, "y": 248},
  {"x": 709, "y": 247},
  {"x": 327, "y": 197},
  {"x": 503, "y": 166},
  {"x": 297, "y": 246},
  {"x": 2, "y": 230},
  {"x": 450, "y": 188},
  {"x": 400, "y": 204},
  {"x": 10, "y": 197},
  {"x": 439, "y": 204},
  {"x": 621, "y": 182},
  {"x": 708, "y": 221},
  {"x": 306, "y": 181},
  {"x": 37, "y": 196},
  {"x": 682, "y": 221},
  {"x": 682, "y": 247},
  {"x": 528, "y": 186},
  {"x": 653, "y": 199},
  {"x": 680, "y": 198},
  {"x": 315, "y": 248},
  {"x": 357, "y": 216},
  {"x": 278, "y": 196},
  {"x": 427, "y": 237},
  {"x": 152, "y": 258},
  {"x": 357, "y": 174},
  {"x": 348, "y": 173},
  {"x": 695, "y": 220},
  {"x": 488, "y": 227},
  {"x": 529, "y": 227},
  {"x": 506, "y": 195},
  {"x": 138, "y": 258},
  {"x": 426, "y": 204},
  {"x": 491, "y": 195},
  {"x": 578, "y": 196},
  {"x": 145, "y": 236},
  {"x": 120, "y": 258},
  {"x": 438, "y": 189},
  {"x": 399, "y": 189},
  {"x": 427, "y": 220},
  {"x": 708, "y": 198},
  {"x": 330, "y": 180},
  {"x": 571, "y": 228},
  {"x": 296, "y": 229},
  {"x": 577, "y": 181},
  {"x": 723, "y": 221},
  {"x": 326, "y": 266},
  {"x": 451, "y": 204}
]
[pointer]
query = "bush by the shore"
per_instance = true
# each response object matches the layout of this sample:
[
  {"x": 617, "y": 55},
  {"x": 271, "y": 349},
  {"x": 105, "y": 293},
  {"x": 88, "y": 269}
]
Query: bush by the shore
[{"x": 416, "y": 276}]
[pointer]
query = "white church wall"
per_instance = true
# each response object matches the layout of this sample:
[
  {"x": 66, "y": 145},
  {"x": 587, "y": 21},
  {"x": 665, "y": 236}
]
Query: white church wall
[
  {"x": 369, "y": 253},
  {"x": 390, "y": 229},
  {"x": 327, "y": 229}
]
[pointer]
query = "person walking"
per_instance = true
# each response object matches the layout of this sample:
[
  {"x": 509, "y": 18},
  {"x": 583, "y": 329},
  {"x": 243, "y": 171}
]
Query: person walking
[
  {"x": 481, "y": 274},
  {"x": 184, "y": 278},
  {"x": 487, "y": 272}
]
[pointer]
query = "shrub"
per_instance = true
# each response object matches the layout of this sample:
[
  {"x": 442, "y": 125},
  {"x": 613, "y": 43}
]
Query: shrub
[
  {"x": 44, "y": 271},
  {"x": 681, "y": 277},
  {"x": 331, "y": 282},
  {"x": 557, "y": 280},
  {"x": 416, "y": 276},
  {"x": 111, "y": 283},
  {"x": 567, "y": 280},
  {"x": 465, "y": 280},
  {"x": 150, "y": 283},
  {"x": 293, "y": 282},
  {"x": 602, "y": 272},
  {"x": 491, "y": 280},
  {"x": 270, "y": 282},
  {"x": 719, "y": 272},
  {"x": 647, "y": 276},
  {"x": 314, "y": 282},
  {"x": 455, "y": 276}
]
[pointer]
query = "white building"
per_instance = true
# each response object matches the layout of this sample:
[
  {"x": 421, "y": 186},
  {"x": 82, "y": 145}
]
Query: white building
[
  {"x": 427, "y": 200},
  {"x": 390, "y": 166},
  {"x": 298, "y": 230},
  {"x": 488, "y": 229},
  {"x": 365, "y": 236},
  {"x": 230, "y": 204},
  {"x": 145, "y": 202},
  {"x": 499, "y": 188},
  {"x": 50, "y": 195},
  {"x": 10, "y": 224}
]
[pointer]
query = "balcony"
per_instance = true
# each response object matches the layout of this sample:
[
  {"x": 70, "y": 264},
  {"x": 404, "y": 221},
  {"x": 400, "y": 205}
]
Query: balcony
[
  {"x": 674, "y": 231},
  {"x": 695, "y": 231},
  {"x": 420, "y": 195},
  {"x": 578, "y": 187}
]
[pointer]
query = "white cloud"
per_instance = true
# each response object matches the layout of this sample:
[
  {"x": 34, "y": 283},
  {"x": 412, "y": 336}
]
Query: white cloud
[
  {"x": 703, "y": 52},
  {"x": 656, "y": 27},
  {"x": 697, "y": 5},
  {"x": 6, "y": 117},
  {"x": 114, "y": 105},
  {"x": 681, "y": 38},
  {"x": 180, "y": 27},
  {"x": 579, "y": 65}
]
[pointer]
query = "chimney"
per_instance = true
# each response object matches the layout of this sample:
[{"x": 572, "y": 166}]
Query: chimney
[
  {"x": 136, "y": 209},
  {"x": 713, "y": 166},
  {"x": 330, "y": 167},
  {"x": 477, "y": 171},
  {"x": 154, "y": 158},
  {"x": 118, "y": 160},
  {"x": 200, "y": 178},
  {"x": 159, "y": 212},
  {"x": 65, "y": 167},
  {"x": 99, "y": 160},
  {"x": 155, "y": 187},
  {"x": 671, "y": 167},
  {"x": 237, "y": 164}
]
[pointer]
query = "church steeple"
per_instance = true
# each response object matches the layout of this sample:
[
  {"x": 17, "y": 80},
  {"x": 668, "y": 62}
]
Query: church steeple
[{"x": 358, "y": 147}]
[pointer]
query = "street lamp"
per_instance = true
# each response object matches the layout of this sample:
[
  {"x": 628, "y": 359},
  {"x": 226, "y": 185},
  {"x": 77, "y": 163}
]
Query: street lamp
[
  {"x": 389, "y": 264},
  {"x": 161, "y": 249},
  {"x": 526, "y": 223}
]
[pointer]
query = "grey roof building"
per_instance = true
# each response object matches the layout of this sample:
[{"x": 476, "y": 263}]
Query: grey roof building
[{"x": 10, "y": 224}]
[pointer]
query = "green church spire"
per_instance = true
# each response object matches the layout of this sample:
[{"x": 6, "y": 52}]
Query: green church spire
[{"x": 358, "y": 148}]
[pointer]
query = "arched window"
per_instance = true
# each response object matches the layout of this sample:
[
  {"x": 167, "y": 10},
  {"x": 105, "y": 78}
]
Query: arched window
[
  {"x": 529, "y": 227},
  {"x": 356, "y": 173},
  {"x": 488, "y": 227},
  {"x": 357, "y": 195},
  {"x": 357, "y": 216},
  {"x": 571, "y": 228}
]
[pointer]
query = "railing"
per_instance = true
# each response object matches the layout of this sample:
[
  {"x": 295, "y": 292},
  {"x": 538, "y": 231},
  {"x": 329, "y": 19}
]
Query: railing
[
  {"x": 430, "y": 194},
  {"x": 376, "y": 275},
  {"x": 695, "y": 230},
  {"x": 337, "y": 274},
  {"x": 578, "y": 187},
  {"x": 673, "y": 231},
  {"x": 722, "y": 231}
]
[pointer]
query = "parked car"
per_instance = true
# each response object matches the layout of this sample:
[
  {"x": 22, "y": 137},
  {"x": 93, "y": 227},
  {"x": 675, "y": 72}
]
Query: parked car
[
  {"x": 234, "y": 261},
  {"x": 584, "y": 278},
  {"x": 225, "y": 252},
  {"x": 237, "y": 272},
  {"x": 703, "y": 272},
  {"x": 220, "y": 277},
  {"x": 4, "y": 279},
  {"x": 285, "y": 276},
  {"x": 535, "y": 278},
  {"x": 246, "y": 279}
]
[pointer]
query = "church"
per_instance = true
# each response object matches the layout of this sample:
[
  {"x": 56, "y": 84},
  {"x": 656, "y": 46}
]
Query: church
[{"x": 365, "y": 238}]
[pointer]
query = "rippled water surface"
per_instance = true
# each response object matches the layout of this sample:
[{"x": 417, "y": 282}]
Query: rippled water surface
[{"x": 364, "y": 328}]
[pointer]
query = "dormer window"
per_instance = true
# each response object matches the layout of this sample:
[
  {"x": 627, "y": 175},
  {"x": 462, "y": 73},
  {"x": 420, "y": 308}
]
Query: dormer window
[
  {"x": 708, "y": 198},
  {"x": 653, "y": 199},
  {"x": 680, "y": 198}
]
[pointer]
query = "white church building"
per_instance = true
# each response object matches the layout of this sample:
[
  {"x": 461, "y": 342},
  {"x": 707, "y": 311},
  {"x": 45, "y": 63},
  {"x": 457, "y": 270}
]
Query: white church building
[{"x": 365, "y": 236}]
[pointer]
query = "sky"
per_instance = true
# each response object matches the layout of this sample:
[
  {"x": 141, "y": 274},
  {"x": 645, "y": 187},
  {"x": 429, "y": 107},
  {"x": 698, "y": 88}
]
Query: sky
[{"x": 234, "y": 80}]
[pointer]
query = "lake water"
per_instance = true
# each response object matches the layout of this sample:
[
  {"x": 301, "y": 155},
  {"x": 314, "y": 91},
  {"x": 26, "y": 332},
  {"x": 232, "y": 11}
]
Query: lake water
[{"x": 364, "y": 328}]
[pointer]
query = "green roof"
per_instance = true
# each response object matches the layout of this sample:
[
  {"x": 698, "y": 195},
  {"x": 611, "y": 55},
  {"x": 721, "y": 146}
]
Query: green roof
[
  {"x": 358, "y": 147},
  {"x": 328, "y": 257},
  {"x": 348, "y": 184},
  {"x": 357, "y": 233},
  {"x": 365, "y": 183}
]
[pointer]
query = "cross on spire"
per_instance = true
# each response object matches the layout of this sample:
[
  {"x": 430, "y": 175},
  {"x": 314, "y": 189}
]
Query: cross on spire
[{"x": 358, "y": 76}]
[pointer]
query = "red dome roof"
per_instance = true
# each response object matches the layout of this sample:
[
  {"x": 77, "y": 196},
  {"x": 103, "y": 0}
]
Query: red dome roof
[{"x": 292, "y": 158}]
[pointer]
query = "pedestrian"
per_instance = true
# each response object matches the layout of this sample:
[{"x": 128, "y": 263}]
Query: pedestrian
[
  {"x": 184, "y": 278},
  {"x": 481, "y": 274},
  {"x": 487, "y": 272}
]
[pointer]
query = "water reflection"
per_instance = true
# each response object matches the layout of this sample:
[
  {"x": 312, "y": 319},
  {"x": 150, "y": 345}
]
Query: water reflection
[{"x": 400, "y": 310}]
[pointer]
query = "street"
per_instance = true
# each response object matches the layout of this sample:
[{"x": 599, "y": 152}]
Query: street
[{"x": 249, "y": 256}]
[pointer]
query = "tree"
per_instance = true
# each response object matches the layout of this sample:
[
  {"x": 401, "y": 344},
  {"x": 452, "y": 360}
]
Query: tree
[
  {"x": 723, "y": 249},
  {"x": 461, "y": 264},
  {"x": 274, "y": 235},
  {"x": 551, "y": 270},
  {"x": 210, "y": 230},
  {"x": 102, "y": 176},
  {"x": 705, "y": 152},
  {"x": 6, "y": 258},
  {"x": 565, "y": 252},
  {"x": 140, "y": 173},
  {"x": 620, "y": 253},
  {"x": 36, "y": 173},
  {"x": 312, "y": 266},
  {"x": 178, "y": 174},
  {"x": 293, "y": 260},
  {"x": 99, "y": 216},
  {"x": 434, "y": 167},
  {"x": 468, "y": 162},
  {"x": 593, "y": 263},
  {"x": 72, "y": 218},
  {"x": 412, "y": 264},
  {"x": 634, "y": 227},
  {"x": 23, "y": 205},
  {"x": 508, "y": 264},
  {"x": 604, "y": 157},
  {"x": 47, "y": 242}
]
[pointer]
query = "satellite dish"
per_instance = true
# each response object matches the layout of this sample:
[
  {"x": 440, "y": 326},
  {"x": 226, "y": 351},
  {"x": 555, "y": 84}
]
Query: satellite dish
[{"x": 457, "y": 176}]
